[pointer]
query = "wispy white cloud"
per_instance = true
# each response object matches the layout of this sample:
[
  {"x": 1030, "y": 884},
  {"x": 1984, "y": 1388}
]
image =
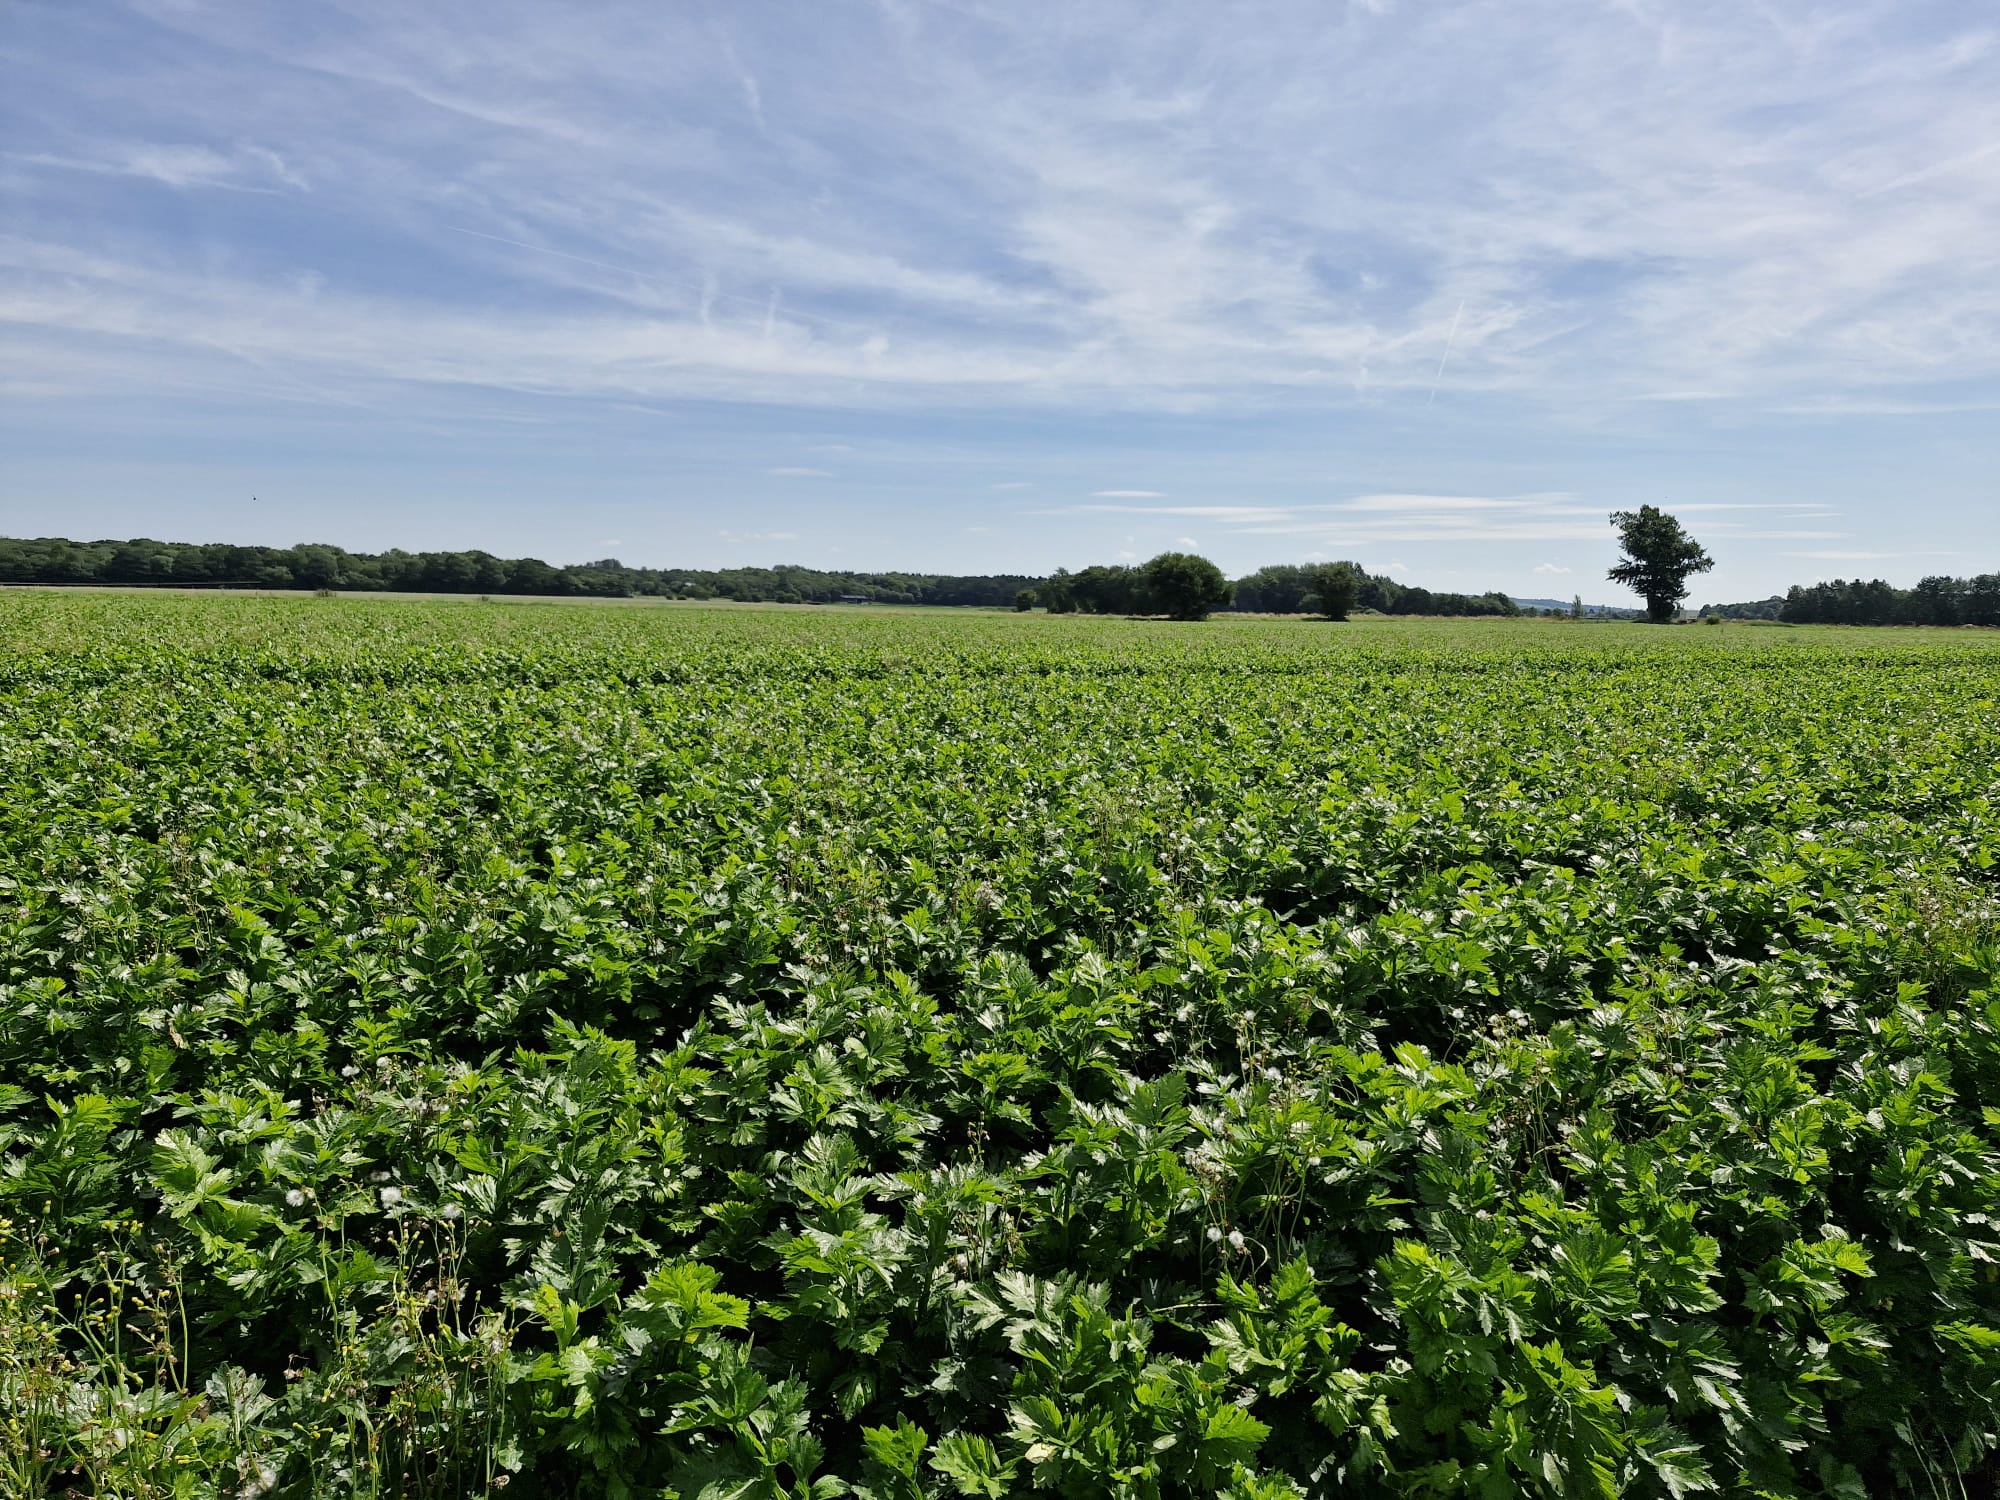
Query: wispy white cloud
[
  {"x": 796, "y": 473},
  {"x": 929, "y": 204},
  {"x": 244, "y": 168},
  {"x": 1392, "y": 518},
  {"x": 1737, "y": 253},
  {"x": 1434, "y": 504},
  {"x": 1550, "y": 568},
  {"x": 1861, "y": 556},
  {"x": 1237, "y": 513}
]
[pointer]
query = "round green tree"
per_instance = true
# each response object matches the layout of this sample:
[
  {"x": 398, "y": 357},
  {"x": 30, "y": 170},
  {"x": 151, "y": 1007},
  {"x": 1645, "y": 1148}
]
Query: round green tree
[{"x": 1183, "y": 586}]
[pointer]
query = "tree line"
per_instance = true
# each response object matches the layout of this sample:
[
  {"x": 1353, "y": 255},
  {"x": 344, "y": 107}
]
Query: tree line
[
  {"x": 1292, "y": 589},
  {"x": 144, "y": 562},
  {"x": 1186, "y": 587},
  {"x": 1177, "y": 584},
  {"x": 1937, "y": 600}
]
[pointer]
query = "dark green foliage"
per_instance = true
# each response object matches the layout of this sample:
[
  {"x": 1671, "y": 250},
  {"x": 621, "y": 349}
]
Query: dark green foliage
[
  {"x": 317, "y": 566},
  {"x": 1336, "y": 589},
  {"x": 1756, "y": 609},
  {"x": 1182, "y": 586},
  {"x": 1292, "y": 589},
  {"x": 1102, "y": 589},
  {"x": 1280, "y": 589},
  {"x": 1058, "y": 593},
  {"x": 1934, "y": 601},
  {"x": 1105, "y": 589},
  {"x": 1659, "y": 559},
  {"x": 715, "y": 1053}
]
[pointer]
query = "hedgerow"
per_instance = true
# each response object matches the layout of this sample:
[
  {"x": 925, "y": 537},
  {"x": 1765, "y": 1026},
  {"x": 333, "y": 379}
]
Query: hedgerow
[{"x": 655, "y": 1051}]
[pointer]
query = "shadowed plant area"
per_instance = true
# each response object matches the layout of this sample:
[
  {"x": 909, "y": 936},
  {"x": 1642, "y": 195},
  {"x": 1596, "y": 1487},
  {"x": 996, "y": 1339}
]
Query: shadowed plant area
[{"x": 655, "y": 1050}]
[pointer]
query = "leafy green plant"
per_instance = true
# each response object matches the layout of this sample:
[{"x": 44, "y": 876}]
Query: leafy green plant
[{"x": 725, "y": 1053}]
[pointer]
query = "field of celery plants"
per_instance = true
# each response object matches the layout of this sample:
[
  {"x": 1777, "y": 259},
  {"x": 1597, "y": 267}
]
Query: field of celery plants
[{"x": 650, "y": 1051}]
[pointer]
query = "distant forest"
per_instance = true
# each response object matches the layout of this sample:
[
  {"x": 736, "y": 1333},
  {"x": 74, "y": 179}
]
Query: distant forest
[
  {"x": 1937, "y": 600},
  {"x": 1286, "y": 589},
  {"x": 145, "y": 563},
  {"x": 141, "y": 562}
]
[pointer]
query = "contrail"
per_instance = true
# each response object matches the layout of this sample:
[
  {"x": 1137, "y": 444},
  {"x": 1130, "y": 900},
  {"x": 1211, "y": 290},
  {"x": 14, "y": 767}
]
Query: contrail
[{"x": 1447, "y": 351}]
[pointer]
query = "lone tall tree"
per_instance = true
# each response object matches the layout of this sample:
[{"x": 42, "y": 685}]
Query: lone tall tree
[{"x": 1659, "y": 556}]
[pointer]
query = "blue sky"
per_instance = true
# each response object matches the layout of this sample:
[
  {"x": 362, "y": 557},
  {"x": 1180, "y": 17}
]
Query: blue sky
[{"x": 987, "y": 287}]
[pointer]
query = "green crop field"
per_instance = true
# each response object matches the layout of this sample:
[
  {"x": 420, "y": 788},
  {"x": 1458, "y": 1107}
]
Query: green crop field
[{"x": 736, "y": 1053}]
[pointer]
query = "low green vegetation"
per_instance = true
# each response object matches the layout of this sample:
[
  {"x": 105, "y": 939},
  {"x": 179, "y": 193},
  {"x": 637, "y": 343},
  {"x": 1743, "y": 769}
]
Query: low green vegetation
[{"x": 665, "y": 1050}]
